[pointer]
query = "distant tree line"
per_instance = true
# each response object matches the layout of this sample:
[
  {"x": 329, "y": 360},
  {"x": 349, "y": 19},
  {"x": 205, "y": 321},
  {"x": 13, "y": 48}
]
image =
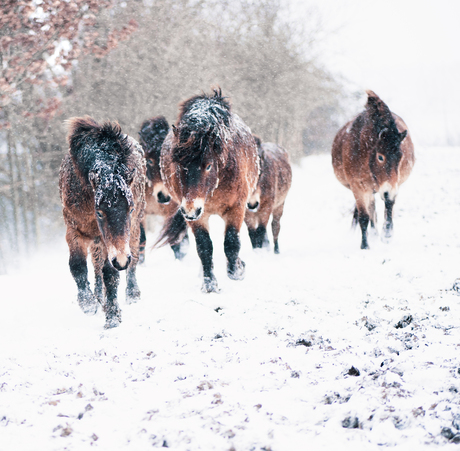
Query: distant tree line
[{"x": 130, "y": 60}]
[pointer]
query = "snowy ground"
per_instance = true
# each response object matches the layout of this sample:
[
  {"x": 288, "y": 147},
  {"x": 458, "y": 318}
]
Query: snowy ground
[{"x": 325, "y": 346}]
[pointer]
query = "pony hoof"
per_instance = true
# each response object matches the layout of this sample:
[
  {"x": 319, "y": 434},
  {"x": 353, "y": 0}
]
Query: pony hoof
[
  {"x": 133, "y": 296},
  {"x": 88, "y": 303},
  {"x": 237, "y": 272},
  {"x": 110, "y": 323},
  {"x": 210, "y": 285}
]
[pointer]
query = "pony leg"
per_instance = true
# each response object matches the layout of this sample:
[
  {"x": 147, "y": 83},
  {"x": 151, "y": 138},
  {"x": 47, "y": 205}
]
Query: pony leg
[
  {"x": 180, "y": 249},
  {"x": 204, "y": 248},
  {"x": 277, "y": 213},
  {"x": 142, "y": 242},
  {"x": 133, "y": 293},
  {"x": 363, "y": 219},
  {"x": 363, "y": 201},
  {"x": 98, "y": 256},
  {"x": 112, "y": 310},
  {"x": 257, "y": 226},
  {"x": 388, "y": 225},
  {"x": 232, "y": 246},
  {"x": 79, "y": 270}
]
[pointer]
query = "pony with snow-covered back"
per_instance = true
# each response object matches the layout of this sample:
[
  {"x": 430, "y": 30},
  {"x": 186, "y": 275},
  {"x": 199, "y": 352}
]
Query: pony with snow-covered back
[
  {"x": 102, "y": 187},
  {"x": 373, "y": 154},
  {"x": 268, "y": 199},
  {"x": 210, "y": 166},
  {"x": 158, "y": 200}
]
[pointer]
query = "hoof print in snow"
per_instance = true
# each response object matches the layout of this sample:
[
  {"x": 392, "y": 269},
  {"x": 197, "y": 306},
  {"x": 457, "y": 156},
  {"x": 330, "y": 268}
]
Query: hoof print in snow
[
  {"x": 353, "y": 371},
  {"x": 404, "y": 322},
  {"x": 350, "y": 423}
]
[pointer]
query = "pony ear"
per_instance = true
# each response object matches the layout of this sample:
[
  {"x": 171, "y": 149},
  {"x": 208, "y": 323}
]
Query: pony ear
[
  {"x": 402, "y": 135},
  {"x": 175, "y": 131},
  {"x": 93, "y": 178}
]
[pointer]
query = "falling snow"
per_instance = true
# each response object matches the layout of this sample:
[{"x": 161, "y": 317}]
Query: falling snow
[{"x": 324, "y": 344}]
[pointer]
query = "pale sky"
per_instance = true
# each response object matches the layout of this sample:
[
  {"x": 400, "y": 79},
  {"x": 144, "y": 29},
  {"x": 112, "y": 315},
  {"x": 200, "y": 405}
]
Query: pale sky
[{"x": 407, "y": 51}]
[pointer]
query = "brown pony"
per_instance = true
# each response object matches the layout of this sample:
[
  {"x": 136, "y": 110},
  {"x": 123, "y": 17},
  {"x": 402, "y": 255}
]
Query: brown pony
[
  {"x": 268, "y": 198},
  {"x": 102, "y": 183},
  {"x": 210, "y": 166},
  {"x": 158, "y": 200},
  {"x": 373, "y": 154}
]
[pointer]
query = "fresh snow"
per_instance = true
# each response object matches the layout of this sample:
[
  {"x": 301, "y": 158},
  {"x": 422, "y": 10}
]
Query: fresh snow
[{"x": 270, "y": 363}]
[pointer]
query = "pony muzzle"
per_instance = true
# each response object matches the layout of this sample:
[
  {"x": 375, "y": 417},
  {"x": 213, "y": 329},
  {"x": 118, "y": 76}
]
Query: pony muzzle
[
  {"x": 194, "y": 211},
  {"x": 119, "y": 260},
  {"x": 161, "y": 194}
]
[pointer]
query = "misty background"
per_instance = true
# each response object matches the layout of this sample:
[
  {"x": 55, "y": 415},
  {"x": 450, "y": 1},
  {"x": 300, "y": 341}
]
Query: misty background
[{"x": 294, "y": 70}]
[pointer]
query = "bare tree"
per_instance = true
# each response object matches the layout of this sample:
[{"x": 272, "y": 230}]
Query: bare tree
[{"x": 39, "y": 43}]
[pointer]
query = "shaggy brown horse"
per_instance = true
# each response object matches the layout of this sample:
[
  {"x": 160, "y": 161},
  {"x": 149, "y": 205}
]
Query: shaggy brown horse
[
  {"x": 158, "y": 200},
  {"x": 210, "y": 166},
  {"x": 268, "y": 199},
  {"x": 373, "y": 154},
  {"x": 102, "y": 186}
]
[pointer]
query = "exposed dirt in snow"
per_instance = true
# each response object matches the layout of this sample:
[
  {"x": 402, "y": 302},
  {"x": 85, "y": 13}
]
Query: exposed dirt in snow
[{"x": 325, "y": 345}]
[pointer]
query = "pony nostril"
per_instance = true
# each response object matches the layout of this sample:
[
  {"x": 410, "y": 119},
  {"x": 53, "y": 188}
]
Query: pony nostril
[
  {"x": 162, "y": 199},
  {"x": 198, "y": 212},
  {"x": 253, "y": 206},
  {"x": 117, "y": 266},
  {"x": 182, "y": 210}
]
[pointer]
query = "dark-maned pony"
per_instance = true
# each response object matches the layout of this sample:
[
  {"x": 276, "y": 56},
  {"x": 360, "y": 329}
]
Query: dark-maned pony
[
  {"x": 373, "y": 154},
  {"x": 268, "y": 199},
  {"x": 102, "y": 187},
  {"x": 210, "y": 166},
  {"x": 158, "y": 200}
]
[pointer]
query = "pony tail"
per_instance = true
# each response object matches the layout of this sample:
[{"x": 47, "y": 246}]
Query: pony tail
[{"x": 173, "y": 231}]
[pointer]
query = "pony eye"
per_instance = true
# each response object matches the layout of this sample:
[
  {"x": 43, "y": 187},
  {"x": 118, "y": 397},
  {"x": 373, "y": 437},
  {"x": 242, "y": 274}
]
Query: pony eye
[
  {"x": 150, "y": 162},
  {"x": 208, "y": 167},
  {"x": 99, "y": 214},
  {"x": 381, "y": 158},
  {"x": 131, "y": 211}
]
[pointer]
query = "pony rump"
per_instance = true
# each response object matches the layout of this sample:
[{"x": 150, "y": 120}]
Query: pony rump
[{"x": 202, "y": 128}]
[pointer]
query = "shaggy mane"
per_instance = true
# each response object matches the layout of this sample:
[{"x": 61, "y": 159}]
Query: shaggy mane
[
  {"x": 92, "y": 145},
  {"x": 381, "y": 117},
  {"x": 202, "y": 127}
]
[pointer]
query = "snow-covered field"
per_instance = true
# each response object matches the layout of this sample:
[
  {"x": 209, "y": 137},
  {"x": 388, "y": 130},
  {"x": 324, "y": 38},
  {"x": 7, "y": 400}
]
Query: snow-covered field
[{"x": 325, "y": 346}]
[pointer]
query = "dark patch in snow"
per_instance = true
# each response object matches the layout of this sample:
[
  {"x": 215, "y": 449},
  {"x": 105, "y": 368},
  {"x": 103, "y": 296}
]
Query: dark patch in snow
[
  {"x": 447, "y": 433},
  {"x": 303, "y": 342},
  {"x": 218, "y": 309},
  {"x": 350, "y": 423},
  {"x": 444, "y": 309},
  {"x": 404, "y": 322},
  {"x": 295, "y": 374},
  {"x": 335, "y": 397},
  {"x": 353, "y": 371}
]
